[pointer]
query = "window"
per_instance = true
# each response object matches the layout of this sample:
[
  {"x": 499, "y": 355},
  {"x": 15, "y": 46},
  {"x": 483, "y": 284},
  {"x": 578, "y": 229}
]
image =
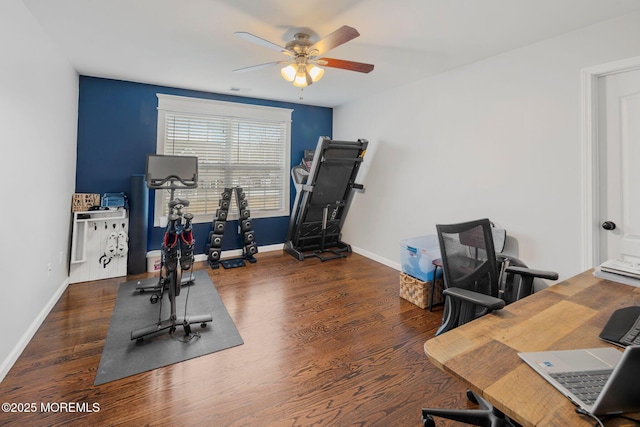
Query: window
[{"x": 237, "y": 145}]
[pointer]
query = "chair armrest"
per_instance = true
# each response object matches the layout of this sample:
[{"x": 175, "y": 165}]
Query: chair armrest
[
  {"x": 486, "y": 301},
  {"x": 529, "y": 272}
]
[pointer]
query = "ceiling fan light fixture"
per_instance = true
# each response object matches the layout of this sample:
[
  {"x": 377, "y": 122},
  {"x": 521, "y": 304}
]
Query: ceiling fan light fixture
[
  {"x": 302, "y": 75},
  {"x": 289, "y": 72},
  {"x": 315, "y": 72},
  {"x": 302, "y": 79}
]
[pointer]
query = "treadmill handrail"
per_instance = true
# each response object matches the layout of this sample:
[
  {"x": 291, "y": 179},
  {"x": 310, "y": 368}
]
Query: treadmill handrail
[{"x": 345, "y": 144}]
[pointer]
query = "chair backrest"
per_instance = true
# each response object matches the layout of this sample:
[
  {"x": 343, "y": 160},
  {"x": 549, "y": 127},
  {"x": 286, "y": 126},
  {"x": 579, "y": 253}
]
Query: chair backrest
[{"x": 468, "y": 256}]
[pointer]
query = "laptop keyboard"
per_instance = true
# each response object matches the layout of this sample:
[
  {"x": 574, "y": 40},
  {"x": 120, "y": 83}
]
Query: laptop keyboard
[
  {"x": 632, "y": 337},
  {"x": 584, "y": 385}
]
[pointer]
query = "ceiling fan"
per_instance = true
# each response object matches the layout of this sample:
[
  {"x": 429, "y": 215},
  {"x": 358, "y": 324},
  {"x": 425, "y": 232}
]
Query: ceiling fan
[{"x": 305, "y": 57}]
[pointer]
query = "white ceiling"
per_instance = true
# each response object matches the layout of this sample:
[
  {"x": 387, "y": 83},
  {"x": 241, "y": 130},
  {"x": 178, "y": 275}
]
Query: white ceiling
[{"x": 190, "y": 43}]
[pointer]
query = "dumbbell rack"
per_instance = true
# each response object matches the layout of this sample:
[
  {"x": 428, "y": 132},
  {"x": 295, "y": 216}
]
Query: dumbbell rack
[{"x": 246, "y": 235}]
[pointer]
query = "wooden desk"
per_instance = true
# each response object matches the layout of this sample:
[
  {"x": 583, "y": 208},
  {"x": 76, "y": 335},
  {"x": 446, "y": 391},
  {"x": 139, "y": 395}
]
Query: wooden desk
[{"x": 568, "y": 315}]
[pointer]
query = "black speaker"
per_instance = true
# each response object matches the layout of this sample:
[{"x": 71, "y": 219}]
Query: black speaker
[
  {"x": 226, "y": 195},
  {"x": 219, "y": 226},
  {"x": 138, "y": 225},
  {"x": 216, "y": 241},
  {"x": 245, "y": 225},
  {"x": 242, "y": 204},
  {"x": 239, "y": 194},
  {"x": 245, "y": 214},
  {"x": 224, "y": 204}
]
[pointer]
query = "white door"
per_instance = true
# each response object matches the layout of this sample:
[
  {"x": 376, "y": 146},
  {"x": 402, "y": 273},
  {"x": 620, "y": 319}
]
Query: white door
[{"x": 619, "y": 165}]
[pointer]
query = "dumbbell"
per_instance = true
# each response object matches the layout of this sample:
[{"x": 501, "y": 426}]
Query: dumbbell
[
  {"x": 245, "y": 225},
  {"x": 216, "y": 240},
  {"x": 219, "y": 226},
  {"x": 248, "y": 237},
  {"x": 221, "y": 214},
  {"x": 251, "y": 249},
  {"x": 214, "y": 255}
]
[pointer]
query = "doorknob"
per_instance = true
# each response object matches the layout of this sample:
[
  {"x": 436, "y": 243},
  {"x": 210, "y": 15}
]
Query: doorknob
[{"x": 609, "y": 225}]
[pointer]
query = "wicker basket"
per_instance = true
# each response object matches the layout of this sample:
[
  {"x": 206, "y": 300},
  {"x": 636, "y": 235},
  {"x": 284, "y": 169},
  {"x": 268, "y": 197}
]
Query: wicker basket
[{"x": 418, "y": 292}]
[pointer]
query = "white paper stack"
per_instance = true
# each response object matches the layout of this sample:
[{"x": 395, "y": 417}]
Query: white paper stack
[{"x": 622, "y": 271}]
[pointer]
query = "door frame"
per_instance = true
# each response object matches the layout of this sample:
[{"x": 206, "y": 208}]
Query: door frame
[{"x": 590, "y": 157}]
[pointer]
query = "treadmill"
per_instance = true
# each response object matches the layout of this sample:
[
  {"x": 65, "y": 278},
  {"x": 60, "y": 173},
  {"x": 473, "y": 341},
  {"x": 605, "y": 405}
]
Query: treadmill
[{"x": 324, "y": 193}]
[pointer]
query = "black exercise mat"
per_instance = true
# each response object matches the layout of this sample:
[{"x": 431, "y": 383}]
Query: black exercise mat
[{"x": 122, "y": 357}]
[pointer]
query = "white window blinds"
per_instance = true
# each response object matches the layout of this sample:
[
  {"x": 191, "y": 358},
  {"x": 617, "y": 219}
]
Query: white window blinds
[{"x": 236, "y": 145}]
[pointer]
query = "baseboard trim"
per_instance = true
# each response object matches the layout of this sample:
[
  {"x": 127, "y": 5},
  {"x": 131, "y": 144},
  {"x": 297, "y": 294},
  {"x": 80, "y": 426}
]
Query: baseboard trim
[
  {"x": 377, "y": 258},
  {"x": 11, "y": 359}
]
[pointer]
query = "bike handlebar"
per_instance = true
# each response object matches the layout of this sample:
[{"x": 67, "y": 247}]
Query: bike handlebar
[{"x": 172, "y": 180}]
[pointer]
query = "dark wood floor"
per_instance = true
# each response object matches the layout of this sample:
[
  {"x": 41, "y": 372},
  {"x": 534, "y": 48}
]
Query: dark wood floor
[{"x": 326, "y": 344}]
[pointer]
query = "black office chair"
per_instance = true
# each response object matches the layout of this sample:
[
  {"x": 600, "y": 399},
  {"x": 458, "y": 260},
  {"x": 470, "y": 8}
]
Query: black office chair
[{"x": 477, "y": 281}]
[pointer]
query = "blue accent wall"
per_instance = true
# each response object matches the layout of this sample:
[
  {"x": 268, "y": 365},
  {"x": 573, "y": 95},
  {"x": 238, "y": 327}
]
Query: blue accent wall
[{"x": 117, "y": 128}]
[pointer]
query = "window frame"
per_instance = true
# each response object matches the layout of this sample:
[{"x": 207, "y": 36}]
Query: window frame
[{"x": 200, "y": 107}]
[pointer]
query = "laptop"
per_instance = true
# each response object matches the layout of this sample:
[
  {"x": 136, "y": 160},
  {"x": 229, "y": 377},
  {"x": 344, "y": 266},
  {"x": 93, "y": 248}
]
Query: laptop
[
  {"x": 568, "y": 370},
  {"x": 623, "y": 327}
]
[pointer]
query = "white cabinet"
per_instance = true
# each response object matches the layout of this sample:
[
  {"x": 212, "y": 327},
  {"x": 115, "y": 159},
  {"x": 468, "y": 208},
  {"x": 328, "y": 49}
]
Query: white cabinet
[{"x": 99, "y": 245}]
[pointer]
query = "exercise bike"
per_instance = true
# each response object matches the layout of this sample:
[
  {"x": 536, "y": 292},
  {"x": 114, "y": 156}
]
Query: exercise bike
[{"x": 177, "y": 252}]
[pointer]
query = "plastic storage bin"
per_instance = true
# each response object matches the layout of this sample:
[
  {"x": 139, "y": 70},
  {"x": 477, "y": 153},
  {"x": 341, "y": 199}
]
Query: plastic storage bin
[{"x": 417, "y": 255}]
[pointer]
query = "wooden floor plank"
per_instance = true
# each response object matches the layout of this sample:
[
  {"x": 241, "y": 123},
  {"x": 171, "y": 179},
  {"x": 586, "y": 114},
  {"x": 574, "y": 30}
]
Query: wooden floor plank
[{"x": 326, "y": 344}]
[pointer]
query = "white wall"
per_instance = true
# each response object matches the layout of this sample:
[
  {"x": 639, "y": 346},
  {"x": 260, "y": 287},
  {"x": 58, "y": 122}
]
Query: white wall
[
  {"x": 38, "y": 118},
  {"x": 500, "y": 139}
]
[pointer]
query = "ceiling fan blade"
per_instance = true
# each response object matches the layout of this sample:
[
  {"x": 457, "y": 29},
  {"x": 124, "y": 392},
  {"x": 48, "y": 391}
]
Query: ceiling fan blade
[
  {"x": 333, "y": 40},
  {"x": 346, "y": 65},
  {"x": 260, "y": 66},
  {"x": 258, "y": 40}
]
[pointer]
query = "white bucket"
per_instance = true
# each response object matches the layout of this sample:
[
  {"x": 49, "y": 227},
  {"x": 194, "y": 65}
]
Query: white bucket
[{"x": 153, "y": 261}]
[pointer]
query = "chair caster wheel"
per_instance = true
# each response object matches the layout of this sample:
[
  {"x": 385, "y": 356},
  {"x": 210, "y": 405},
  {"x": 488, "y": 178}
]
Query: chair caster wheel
[
  {"x": 428, "y": 421},
  {"x": 203, "y": 325},
  {"x": 153, "y": 299}
]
